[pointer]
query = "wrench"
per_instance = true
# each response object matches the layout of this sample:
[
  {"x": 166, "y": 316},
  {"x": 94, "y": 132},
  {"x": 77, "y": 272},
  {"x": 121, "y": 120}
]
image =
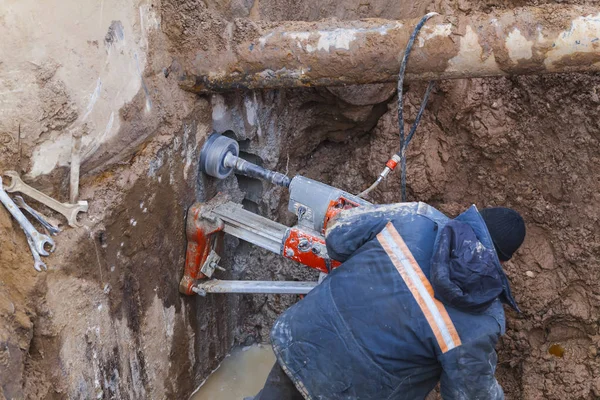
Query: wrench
[
  {"x": 70, "y": 211},
  {"x": 53, "y": 230},
  {"x": 39, "y": 241},
  {"x": 38, "y": 264}
]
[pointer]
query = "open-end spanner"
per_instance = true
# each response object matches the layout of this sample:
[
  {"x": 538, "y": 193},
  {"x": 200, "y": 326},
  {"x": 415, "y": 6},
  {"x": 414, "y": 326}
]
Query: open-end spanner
[
  {"x": 39, "y": 240},
  {"x": 70, "y": 211},
  {"x": 51, "y": 229},
  {"x": 38, "y": 264}
]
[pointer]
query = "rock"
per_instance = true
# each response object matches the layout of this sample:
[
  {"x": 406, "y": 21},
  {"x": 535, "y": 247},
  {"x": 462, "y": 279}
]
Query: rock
[
  {"x": 7, "y": 307},
  {"x": 362, "y": 95}
]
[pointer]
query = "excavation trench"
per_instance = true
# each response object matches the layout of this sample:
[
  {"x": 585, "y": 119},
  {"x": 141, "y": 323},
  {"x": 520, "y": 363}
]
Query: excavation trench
[
  {"x": 108, "y": 320},
  {"x": 467, "y": 151}
]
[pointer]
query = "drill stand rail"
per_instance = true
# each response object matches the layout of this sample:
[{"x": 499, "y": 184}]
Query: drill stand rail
[
  {"x": 205, "y": 227},
  {"x": 314, "y": 204},
  {"x": 265, "y": 287}
]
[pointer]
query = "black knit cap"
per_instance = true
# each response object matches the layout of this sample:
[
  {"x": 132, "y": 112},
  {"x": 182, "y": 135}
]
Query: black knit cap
[{"x": 507, "y": 229}]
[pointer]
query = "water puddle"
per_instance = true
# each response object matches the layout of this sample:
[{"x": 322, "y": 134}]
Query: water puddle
[
  {"x": 241, "y": 374},
  {"x": 557, "y": 350}
]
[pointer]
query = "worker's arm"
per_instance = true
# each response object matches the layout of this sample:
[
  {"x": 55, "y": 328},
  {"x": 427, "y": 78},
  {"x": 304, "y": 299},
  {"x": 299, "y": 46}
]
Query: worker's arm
[
  {"x": 468, "y": 371},
  {"x": 350, "y": 229}
]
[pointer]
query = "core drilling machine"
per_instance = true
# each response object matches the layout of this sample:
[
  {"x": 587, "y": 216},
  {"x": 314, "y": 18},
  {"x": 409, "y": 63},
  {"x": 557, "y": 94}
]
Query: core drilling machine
[{"x": 314, "y": 203}]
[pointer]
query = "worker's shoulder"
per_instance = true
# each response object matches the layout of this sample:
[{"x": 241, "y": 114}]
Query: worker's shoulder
[
  {"x": 387, "y": 211},
  {"x": 490, "y": 322}
]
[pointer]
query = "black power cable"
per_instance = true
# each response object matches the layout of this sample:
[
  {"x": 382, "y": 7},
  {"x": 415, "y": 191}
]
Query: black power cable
[
  {"x": 404, "y": 142},
  {"x": 400, "y": 156}
]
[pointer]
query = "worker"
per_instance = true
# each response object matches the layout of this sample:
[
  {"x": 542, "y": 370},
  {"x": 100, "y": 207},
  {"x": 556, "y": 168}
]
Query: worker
[{"x": 417, "y": 301}]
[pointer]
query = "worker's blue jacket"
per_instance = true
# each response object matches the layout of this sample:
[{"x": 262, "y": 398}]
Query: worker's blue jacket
[{"x": 416, "y": 301}]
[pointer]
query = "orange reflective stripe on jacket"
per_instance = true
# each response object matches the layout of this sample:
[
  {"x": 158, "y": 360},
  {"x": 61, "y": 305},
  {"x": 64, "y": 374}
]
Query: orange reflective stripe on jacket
[{"x": 434, "y": 311}]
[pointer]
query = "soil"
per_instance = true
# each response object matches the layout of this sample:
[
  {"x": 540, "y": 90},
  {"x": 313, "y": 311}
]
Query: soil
[{"x": 107, "y": 320}]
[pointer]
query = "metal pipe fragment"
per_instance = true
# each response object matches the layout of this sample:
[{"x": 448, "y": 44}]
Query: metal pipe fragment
[{"x": 527, "y": 40}]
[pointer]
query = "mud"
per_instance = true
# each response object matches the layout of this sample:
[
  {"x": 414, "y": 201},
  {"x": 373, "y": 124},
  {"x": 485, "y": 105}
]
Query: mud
[
  {"x": 107, "y": 320},
  {"x": 242, "y": 374}
]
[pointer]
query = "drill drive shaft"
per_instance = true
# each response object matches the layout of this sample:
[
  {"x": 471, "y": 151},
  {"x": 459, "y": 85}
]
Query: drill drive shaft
[
  {"x": 246, "y": 168},
  {"x": 220, "y": 157}
]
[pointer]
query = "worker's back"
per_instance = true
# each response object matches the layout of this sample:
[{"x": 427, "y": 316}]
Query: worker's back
[{"x": 373, "y": 329}]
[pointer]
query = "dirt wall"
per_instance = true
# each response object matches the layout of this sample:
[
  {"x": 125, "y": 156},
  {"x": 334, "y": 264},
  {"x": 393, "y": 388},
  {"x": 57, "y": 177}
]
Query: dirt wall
[{"x": 106, "y": 320}]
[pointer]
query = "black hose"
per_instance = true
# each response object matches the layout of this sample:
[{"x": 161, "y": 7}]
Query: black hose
[{"x": 404, "y": 142}]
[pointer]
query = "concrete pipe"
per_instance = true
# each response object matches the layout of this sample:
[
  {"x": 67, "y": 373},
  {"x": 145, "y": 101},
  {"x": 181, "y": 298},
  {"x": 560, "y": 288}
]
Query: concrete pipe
[{"x": 528, "y": 40}]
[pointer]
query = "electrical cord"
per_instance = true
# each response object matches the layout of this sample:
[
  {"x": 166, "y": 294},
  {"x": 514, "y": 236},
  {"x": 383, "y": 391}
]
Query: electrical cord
[{"x": 400, "y": 156}]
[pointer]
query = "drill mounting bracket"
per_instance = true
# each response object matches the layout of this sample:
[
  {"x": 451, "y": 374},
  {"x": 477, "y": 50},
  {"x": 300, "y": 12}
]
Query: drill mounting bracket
[{"x": 313, "y": 202}]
